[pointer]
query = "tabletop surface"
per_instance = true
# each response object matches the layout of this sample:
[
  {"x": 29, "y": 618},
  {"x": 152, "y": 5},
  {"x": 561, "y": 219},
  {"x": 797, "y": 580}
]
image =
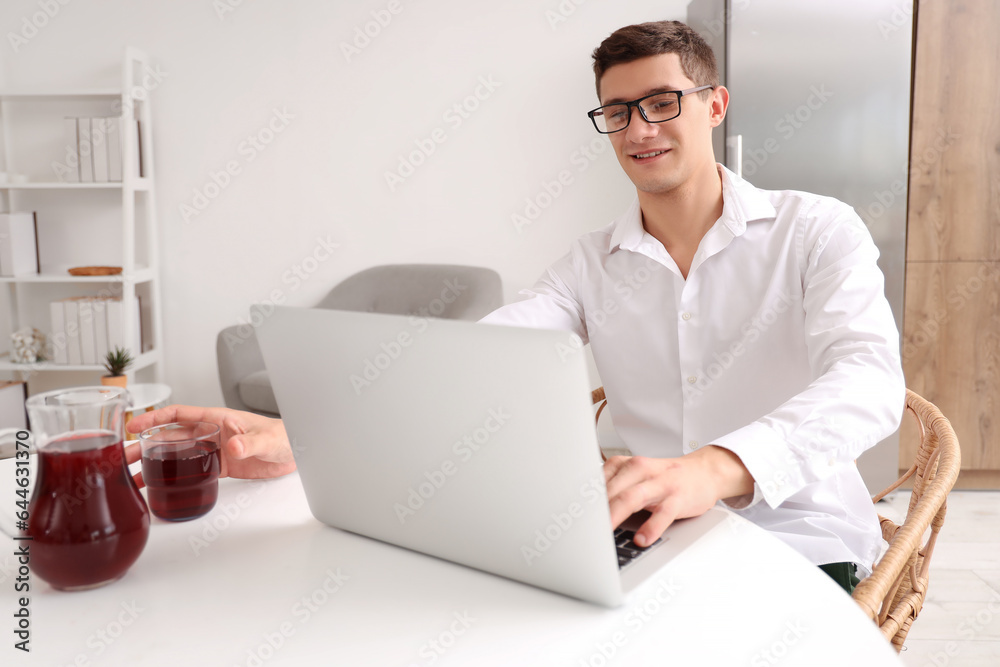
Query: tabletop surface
[
  {"x": 259, "y": 582},
  {"x": 146, "y": 395}
]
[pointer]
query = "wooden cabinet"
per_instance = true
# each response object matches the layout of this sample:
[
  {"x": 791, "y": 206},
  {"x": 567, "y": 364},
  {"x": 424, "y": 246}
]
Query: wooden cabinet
[{"x": 951, "y": 323}]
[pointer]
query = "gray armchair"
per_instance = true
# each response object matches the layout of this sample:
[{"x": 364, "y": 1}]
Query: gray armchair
[{"x": 429, "y": 290}]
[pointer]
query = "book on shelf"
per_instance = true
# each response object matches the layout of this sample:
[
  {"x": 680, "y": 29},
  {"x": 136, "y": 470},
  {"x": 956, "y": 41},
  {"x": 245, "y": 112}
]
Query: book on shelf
[
  {"x": 114, "y": 127},
  {"x": 95, "y": 145},
  {"x": 136, "y": 326},
  {"x": 85, "y": 314},
  {"x": 85, "y": 149},
  {"x": 57, "y": 335},
  {"x": 100, "y": 310},
  {"x": 70, "y": 171},
  {"x": 12, "y": 398},
  {"x": 18, "y": 244},
  {"x": 99, "y": 142},
  {"x": 116, "y": 321},
  {"x": 85, "y": 328},
  {"x": 137, "y": 152},
  {"x": 145, "y": 321},
  {"x": 72, "y": 320}
]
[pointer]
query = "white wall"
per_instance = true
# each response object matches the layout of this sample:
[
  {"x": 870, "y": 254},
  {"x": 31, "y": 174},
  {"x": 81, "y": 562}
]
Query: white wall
[{"x": 323, "y": 176}]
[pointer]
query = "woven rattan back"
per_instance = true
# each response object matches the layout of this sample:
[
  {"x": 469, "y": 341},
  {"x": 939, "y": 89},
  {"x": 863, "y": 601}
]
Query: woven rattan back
[{"x": 894, "y": 593}]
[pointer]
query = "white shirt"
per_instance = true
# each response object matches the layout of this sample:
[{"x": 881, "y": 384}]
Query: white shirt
[{"x": 780, "y": 346}]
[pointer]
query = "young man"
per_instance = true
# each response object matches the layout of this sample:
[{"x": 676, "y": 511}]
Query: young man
[{"x": 745, "y": 344}]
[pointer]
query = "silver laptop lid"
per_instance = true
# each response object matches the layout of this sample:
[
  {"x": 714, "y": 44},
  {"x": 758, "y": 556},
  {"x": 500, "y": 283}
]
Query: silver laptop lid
[{"x": 470, "y": 442}]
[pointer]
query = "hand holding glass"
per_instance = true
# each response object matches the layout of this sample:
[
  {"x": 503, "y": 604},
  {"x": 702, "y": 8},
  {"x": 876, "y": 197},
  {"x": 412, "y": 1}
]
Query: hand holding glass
[{"x": 180, "y": 467}]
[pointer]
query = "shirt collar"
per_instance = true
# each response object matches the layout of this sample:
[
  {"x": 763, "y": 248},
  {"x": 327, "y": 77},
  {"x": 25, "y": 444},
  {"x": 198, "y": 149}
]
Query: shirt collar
[
  {"x": 628, "y": 230},
  {"x": 742, "y": 203}
]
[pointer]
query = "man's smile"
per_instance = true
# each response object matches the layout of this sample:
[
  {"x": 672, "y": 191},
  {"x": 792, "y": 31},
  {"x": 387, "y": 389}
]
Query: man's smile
[{"x": 648, "y": 155}]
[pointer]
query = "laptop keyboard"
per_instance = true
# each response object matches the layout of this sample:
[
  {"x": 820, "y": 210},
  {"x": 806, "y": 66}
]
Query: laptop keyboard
[{"x": 627, "y": 549}]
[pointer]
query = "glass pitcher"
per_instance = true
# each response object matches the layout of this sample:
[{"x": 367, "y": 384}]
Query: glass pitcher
[{"x": 86, "y": 522}]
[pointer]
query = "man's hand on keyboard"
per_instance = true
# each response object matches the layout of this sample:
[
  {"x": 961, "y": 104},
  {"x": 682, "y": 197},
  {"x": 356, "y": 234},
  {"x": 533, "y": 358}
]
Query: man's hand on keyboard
[{"x": 672, "y": 489}]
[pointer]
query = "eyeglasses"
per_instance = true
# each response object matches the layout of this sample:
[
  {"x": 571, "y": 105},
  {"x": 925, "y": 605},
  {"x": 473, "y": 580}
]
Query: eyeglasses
[{"x": 655, "y": 108}]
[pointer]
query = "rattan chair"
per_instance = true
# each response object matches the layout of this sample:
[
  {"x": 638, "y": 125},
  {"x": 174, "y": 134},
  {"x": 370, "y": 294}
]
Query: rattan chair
[{"x": 894, "y": 593}]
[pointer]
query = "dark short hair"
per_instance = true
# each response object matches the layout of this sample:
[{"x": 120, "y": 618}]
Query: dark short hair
[{"x": 656, "y": 38}]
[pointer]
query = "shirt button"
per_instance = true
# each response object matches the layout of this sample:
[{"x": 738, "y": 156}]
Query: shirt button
[
  {"x": 692, "y": 379},
  {"x": 686, "y": 316},
  {"x": 693, "y": 444}
]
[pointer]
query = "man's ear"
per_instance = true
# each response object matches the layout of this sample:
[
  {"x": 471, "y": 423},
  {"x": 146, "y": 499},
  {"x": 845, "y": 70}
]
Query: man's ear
[{"x": 717, "y": 106}]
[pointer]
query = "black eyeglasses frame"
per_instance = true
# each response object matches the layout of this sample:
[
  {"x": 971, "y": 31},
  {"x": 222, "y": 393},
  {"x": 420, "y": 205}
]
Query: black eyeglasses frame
[{"x": 638, "y": 104}]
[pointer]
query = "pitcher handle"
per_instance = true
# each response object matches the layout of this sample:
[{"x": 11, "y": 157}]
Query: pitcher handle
[{"x": 15, "y": 443}]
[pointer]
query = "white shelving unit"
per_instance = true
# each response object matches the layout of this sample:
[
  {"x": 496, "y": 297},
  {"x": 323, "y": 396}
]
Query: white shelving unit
[{"x": 110, "y": 232}]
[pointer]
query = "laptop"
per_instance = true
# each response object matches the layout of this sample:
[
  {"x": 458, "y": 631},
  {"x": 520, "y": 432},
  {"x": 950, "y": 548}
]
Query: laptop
[{"x": 470, "y": 442}]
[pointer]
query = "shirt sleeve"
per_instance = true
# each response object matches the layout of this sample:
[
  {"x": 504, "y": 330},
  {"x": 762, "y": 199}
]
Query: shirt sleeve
[
  {"x": 552, "y": 303},
  {"x": 858, "y": 393}
]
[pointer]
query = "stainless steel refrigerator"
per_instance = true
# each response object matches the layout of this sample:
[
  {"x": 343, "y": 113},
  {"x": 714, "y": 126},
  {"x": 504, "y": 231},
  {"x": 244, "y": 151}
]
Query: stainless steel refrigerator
[{"x": 820, "y": 101}]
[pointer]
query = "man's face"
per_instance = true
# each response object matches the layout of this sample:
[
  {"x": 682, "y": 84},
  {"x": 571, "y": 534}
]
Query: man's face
[{"x": 658, "y": 157}]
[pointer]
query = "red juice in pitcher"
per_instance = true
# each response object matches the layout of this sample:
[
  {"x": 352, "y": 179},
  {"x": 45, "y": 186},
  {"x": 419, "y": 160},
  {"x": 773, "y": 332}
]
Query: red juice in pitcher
[
  {"x": 182, "y": 482},
  {"x": 87, "y": 518}
]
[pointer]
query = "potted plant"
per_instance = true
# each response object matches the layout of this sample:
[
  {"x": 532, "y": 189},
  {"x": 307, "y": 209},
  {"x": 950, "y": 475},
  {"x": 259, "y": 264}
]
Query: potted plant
[{"x": 116, "y": 363}]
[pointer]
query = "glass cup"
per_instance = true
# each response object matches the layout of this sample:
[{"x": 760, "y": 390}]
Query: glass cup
[
  {"x": 86, "y": 522},
  {"x": 180, "y": 466}
]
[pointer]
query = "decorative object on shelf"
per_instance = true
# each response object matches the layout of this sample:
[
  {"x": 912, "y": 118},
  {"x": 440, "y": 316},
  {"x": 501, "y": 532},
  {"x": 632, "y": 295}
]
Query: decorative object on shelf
[
  {"x": 117, "y": 362},
  {"x": 95, "y": 271},
  {"x": 27, "y": 345}
]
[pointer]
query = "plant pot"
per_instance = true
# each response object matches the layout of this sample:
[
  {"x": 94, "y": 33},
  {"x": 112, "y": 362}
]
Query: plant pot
[{"x": 114, "y": 380}]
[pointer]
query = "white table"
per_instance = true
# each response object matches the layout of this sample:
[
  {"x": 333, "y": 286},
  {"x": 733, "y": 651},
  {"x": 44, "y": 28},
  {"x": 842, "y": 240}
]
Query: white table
[
  {"x": 146, "y": 397},
  {"x": 259, "y": 582}
]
